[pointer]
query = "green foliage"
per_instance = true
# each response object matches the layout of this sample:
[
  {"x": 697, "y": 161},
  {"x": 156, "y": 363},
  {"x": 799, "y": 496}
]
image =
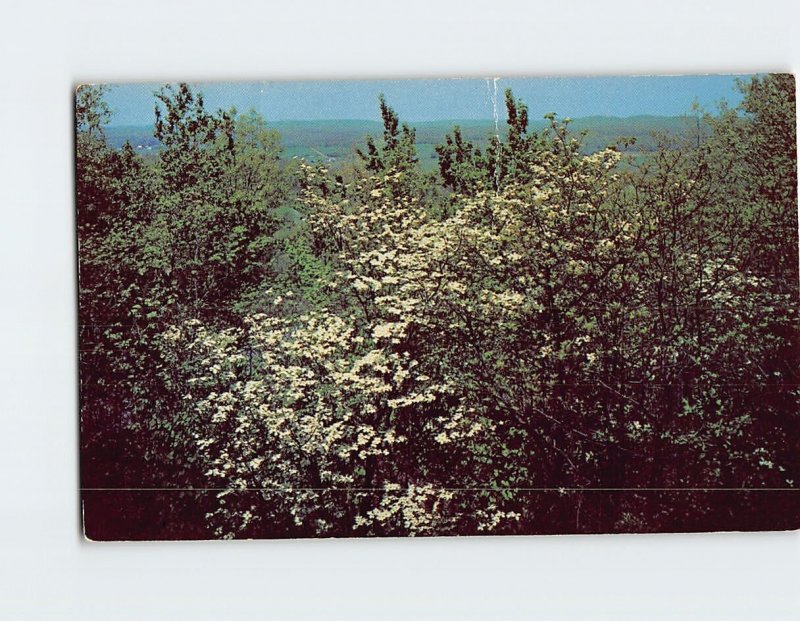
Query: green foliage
[
  {"x": 468, "y": 171},
  {"x": 91, "y": 111},
  {"x": 198, "y": 146},
  {"x": 398, "y": 150},
  {"x": 769, "y": 148},
  {"x": 395, "y": 161},
  {"x": 462, "y": 165}
]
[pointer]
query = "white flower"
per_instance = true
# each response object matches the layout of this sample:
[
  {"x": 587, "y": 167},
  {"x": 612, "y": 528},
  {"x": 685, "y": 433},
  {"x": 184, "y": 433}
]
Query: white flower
[{"x": 382, "y": 330}]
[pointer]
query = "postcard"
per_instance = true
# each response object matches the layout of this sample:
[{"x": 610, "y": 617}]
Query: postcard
[{"x": 396, "y": 308}]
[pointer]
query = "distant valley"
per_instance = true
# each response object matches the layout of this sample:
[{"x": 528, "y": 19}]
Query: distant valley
[{"x": 335, "y": 140}]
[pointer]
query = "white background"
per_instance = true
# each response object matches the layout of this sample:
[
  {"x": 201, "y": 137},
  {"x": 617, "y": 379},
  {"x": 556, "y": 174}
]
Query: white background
[{"x": 47, "y": 571}]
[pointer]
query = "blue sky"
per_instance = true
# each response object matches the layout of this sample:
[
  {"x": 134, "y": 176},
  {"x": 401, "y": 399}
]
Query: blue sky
[{"x": 430, "y": 100}]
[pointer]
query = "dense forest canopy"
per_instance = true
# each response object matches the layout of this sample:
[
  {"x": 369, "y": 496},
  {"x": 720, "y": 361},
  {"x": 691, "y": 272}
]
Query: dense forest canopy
[{"x": 530, "y": 338}]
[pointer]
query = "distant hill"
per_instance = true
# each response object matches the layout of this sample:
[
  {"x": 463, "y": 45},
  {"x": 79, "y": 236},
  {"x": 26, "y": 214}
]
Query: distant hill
[{"x": 334, "y": 140}]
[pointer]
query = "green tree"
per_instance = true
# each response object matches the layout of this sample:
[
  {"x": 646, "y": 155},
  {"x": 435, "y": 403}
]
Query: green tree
[
  {"x": 197, "y": 145},
  {"x": 398, "y": 149},
  {"x": 462, "y": 166},
  {"x": 770, "y": 151}
]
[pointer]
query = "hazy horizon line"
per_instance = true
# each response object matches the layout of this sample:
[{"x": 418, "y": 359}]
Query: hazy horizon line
[{"x": 438, "y": 121}]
